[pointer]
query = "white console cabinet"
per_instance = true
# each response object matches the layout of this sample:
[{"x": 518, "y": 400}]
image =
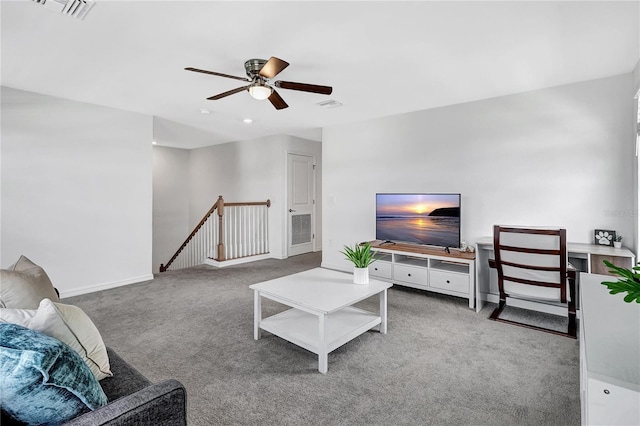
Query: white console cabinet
[
  {"x": 426, "y": 268},
  {"x": 609, "y": 355}
]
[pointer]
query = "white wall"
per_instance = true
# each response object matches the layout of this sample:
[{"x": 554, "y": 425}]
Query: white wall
[
  {"x": 168, "y": 133},
  {"x": 76, "y": 191},
  {"x": 253, "y": 170},
  {"x": 561, "y": 156},
  {"x": 170, "y": 202},
  {"x": 636, "y": 120}
]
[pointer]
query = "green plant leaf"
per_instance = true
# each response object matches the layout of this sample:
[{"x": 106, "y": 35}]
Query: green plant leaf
[
  {"x": 628, "y": 283},
  {"x": 361, "y": 255}
]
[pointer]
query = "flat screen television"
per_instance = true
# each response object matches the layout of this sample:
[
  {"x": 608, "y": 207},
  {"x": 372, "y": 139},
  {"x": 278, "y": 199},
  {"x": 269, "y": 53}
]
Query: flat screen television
[{"x": 427, "y": 219}]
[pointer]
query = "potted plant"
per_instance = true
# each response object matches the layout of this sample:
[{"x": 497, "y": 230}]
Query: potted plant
[
  {"x": 617, "y": 242},
  {"x": 361, "y": 256},
  {"x": 628, "y": 283}
]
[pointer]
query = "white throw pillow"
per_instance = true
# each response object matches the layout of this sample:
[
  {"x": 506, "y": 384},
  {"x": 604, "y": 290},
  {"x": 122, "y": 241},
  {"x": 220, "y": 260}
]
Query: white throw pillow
[
  {"x": 69, "y": 324},
  {"x": 24, "y": 285}
]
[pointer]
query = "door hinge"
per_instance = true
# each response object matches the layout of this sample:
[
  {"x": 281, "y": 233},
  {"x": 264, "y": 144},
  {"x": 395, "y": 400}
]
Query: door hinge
[{"x": 314, "y": 167}]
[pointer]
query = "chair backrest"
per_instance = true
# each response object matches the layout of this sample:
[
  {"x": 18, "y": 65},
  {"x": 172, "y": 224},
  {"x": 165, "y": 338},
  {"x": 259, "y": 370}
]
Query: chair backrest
[{"x": 531, "y": 262}]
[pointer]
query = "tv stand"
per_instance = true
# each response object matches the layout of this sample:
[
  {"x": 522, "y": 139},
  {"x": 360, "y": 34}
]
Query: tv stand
[{"x": 427, "y": 268}]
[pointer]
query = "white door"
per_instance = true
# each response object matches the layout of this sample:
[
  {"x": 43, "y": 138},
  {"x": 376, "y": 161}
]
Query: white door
[{"x": 301, "y": 176}]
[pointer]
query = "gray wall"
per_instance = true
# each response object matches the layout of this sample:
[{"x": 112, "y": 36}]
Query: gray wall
[
  {"x": 76, "y": 191},
  {"x": 561, "y": 156}
]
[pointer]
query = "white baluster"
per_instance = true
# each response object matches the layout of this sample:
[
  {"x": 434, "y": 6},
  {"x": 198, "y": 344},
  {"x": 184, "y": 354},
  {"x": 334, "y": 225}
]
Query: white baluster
[
  {"x": 252, "y": 249},
  {"x": 244, "y": 231},
  {"x": 266, "y": 230},
  {"x": 235, "y": 233}
]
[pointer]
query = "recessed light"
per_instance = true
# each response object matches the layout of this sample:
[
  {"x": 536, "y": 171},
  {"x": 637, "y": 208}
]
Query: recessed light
[
  {"x": 204, "y": 111},
  {"x": 248, "y": 120},
  {"x": 154, "y": 143}
]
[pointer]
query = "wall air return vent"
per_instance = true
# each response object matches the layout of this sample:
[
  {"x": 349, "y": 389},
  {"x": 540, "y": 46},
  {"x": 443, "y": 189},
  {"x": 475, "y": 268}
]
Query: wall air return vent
[{"x": 74, "y": 8}]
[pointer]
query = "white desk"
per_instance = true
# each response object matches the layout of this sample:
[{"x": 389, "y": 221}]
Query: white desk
[
  {"x": 585, "y": 257},
  {"x": 322, "y": 318},
  {"x": 609, "y": 355}
]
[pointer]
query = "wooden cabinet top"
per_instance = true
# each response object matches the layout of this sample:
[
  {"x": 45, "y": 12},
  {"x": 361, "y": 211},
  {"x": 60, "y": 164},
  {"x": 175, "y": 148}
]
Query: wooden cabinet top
[{"x": 424, "y": 250}]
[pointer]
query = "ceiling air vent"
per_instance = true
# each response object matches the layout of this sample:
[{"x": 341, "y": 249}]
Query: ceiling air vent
[
  {"x": 329, "y": 104},
  {"x": 74, "y": 8}
]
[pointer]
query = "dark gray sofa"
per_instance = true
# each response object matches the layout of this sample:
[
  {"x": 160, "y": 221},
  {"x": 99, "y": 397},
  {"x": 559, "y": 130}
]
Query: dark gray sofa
[{"x": 134, "y": 400}]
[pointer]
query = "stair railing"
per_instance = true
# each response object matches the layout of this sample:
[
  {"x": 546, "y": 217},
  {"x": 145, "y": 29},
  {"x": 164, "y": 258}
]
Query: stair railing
[{"x": 241, "y": 231}]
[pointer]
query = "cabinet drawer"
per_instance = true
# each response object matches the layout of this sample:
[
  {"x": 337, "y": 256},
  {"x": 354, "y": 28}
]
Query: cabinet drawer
[
  {"x": 380, "y": 269},
  {"x": 449, "y": 281},
  {"x": 410, "y": 274}
]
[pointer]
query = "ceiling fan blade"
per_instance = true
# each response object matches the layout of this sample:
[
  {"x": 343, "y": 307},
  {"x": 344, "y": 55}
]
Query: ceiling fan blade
[
  {"x": 216, "y": 73},
  {"x": 230, "y": 92},
  {"x": 303, "y": 87},
  {"x": 277, "y": 101},
  {"x": 273, "y": 67}
]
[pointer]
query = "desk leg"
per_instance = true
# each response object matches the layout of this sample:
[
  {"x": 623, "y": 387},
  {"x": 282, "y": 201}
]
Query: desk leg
[
  {"x": 257, "y": 314},
  {"x": 383, "y": 311},
  {"x": 323, "y": 363}
]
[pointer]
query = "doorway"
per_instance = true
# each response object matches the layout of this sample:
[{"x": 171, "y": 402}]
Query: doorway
[{"x": 301, "y": 213}]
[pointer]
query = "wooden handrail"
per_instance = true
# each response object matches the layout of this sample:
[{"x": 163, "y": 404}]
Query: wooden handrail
[
  {"x": 252, "y": 203},
  {"x": 204, "y": 219},
  {"x": 219, "y": 205}
]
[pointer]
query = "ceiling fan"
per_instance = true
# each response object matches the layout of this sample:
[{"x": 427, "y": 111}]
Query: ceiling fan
[{"x": 260, "y": 71}]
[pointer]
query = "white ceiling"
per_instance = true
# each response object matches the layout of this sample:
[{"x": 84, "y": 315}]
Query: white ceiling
[{"x": 382, "y": 58}]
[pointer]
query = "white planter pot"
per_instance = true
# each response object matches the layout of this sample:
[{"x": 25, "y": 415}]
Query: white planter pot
[
  {"x": 617, "y": 244},
  {"x": 360, "y": 275}
]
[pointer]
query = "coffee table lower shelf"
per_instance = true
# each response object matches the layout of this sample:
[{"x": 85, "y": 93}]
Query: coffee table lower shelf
[{"x": 302, "y": 328}]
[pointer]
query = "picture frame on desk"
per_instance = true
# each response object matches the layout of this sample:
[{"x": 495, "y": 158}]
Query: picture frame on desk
[{"x": 604, "y": 237}]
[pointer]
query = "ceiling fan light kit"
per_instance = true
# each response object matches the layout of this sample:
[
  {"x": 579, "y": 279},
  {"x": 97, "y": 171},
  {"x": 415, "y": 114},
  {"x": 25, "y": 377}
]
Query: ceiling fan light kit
[
  {"x": 260, "y": 91},
  {"x": 259, "y": 72}
]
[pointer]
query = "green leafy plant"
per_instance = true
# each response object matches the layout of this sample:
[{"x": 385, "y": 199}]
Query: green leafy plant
[
  {"x": 628, "y": 283},
  {"x": 618, "y": 238},
  {"x": 361, "y": 255}
]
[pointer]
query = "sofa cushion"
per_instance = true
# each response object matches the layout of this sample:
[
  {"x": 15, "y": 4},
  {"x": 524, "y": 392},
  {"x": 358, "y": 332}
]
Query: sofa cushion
[
  {"x": 42, "y": 379},
  {"x": 24, "y": 285},
  {"x": 69, "y": 324},
  {"x": 126, "y": 379}
]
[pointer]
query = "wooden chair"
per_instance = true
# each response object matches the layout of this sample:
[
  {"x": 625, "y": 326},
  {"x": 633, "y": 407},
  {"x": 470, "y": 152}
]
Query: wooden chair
[{"x": 532, "y": 265}]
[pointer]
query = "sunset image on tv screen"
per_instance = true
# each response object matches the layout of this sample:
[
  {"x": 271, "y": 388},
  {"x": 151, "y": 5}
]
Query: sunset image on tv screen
[{"x": 430, "y": 219}]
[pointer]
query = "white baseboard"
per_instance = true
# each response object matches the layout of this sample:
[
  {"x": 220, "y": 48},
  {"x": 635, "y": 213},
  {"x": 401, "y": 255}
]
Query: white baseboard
[
  {"x": 237, "y": 261},
  {"x": 335, "y": 267},
  {"x": 104, "y": 286}
]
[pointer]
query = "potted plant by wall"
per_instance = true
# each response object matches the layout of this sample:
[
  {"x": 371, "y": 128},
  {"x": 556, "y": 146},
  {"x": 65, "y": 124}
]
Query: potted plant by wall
[
  {"x": 361, "y": 256},
  {"x": 617, "y": 242}
]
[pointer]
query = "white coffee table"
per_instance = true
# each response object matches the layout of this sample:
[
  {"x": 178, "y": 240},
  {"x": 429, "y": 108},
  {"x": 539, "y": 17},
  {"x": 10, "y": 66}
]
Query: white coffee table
[{"x": 322, "y": 317}]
